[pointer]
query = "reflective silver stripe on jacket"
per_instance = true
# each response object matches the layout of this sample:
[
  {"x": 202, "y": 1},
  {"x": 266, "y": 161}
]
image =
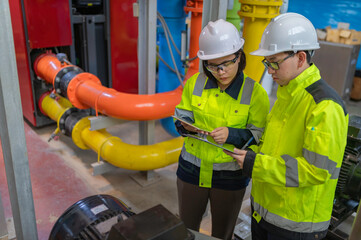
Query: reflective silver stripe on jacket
[
  {"x": 199, "y": 86},
  {"x": 291, "y": 171},
  {"x": 322, "y": 162},
  {"x": 181, "y": 113},
  {"x": 304, "y": 227},
  {"x": 256, "y": 132},
  {"x": 229, "y": 166},
  {"x": 312, "y": 158},
  {"x": 247, "y": 91},
  {"x": 246, "y": 99}
]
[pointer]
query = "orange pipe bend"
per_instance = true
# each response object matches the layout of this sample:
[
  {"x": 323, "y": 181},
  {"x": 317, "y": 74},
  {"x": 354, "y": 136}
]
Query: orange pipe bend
[{"x": 85, "y": 91}]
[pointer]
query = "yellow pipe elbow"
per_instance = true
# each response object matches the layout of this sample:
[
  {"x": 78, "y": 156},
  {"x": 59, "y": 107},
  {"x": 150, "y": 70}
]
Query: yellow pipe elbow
[
  {"x": 112, "y": 149},
  {"x": 132, "y": 157}
]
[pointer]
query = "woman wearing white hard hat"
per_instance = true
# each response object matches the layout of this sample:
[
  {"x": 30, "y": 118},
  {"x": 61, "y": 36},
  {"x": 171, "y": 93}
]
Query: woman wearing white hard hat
[{"x": 231, "y": 110}]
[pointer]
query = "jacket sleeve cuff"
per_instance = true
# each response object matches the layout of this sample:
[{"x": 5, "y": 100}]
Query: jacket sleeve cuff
[
  {"x": 248, "y": 163},
  {"x": 238, "y": 137},
  {"x": 180, "y": 129}
]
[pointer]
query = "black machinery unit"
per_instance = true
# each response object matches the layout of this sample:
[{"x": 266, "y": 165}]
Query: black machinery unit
[
  {"x": 348, "y": 190},
  {"x": 103, "y": 217}
]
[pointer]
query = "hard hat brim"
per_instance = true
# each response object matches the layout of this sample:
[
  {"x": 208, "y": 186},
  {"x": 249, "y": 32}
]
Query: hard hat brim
[
  {"x": 219, "y": 55},
  {"x": 263, "y": 53}
]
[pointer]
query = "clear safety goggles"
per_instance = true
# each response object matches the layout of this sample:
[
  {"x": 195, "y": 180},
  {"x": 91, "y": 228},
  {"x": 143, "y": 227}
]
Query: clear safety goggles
[{"x": 223, "y": 66}]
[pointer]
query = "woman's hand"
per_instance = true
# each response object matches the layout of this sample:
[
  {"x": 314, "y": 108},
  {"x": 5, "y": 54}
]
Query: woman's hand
[
  {"x": 220, "y": 135},
  {"x": 239, "y": 155},
  {"x": 188, "y": 127}
]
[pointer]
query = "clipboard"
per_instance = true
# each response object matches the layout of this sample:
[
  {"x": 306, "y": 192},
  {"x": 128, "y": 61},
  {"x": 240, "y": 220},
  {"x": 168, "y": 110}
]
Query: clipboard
[
  {"x": 189, "y": 123},
  {"x": 208, "y": 139}
]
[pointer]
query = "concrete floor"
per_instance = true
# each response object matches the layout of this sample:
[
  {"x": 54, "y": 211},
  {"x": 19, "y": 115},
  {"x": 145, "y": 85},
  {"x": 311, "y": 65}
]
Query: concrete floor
[{"x": 61, "y": 174}]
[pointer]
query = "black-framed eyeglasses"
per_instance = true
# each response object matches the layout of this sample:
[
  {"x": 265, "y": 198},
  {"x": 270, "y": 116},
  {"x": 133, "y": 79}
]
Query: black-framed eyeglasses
[
  {"x": 276, "y": 65},
  {"x": 223, "y": 66}
]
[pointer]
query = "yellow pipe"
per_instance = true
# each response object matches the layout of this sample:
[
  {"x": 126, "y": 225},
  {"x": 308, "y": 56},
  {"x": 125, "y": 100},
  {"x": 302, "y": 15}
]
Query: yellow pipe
[
  {"x": 257, "y": 14},
  {"x": 111, "y": 148},
  {"x": 54, "y": 107},
  {"x": 132, "y": 157}
]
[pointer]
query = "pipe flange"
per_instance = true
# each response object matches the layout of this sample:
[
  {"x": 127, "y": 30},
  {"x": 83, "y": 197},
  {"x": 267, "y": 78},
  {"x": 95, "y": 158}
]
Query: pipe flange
[
  {"x": 77, "y": 130},
  {"x": 73, "y": 85},
  {"x": 61, "y": 74},
  {"x": 63, "y": 117}
]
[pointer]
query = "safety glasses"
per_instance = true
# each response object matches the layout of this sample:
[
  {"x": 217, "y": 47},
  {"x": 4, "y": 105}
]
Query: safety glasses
[
  {"x": 223, "y": 66},
  {"x": 276, "y": 65}
]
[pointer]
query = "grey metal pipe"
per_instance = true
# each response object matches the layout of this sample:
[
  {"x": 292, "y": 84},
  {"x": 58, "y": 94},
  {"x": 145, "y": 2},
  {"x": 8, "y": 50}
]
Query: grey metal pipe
[{"x": 12, "y": 134}]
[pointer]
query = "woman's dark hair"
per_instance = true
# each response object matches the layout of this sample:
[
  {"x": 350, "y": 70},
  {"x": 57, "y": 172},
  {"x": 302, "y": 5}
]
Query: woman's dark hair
[{"x": 241, "y": 64}]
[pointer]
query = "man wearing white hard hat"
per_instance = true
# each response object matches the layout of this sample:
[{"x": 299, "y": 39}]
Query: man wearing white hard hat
[
  {"x": 231, "y": 108},
  {"x": 296, "y": 167}
]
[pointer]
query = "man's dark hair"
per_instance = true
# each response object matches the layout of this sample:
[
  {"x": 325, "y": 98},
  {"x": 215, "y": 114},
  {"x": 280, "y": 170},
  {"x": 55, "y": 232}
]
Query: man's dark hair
[{"x": 308, "y": 54}]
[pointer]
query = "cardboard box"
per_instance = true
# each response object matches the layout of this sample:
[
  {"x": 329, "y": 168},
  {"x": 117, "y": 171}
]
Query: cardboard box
[
  {"x": 333, "y": 35},
  {"x": 355, "y": 38},
  {"x": 345, "y": 33},
  {"x": 321, "y": 34},
  {"x": 342, "y": 34}
]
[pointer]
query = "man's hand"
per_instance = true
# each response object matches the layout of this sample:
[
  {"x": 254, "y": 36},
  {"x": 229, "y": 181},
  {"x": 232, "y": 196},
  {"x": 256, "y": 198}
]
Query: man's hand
[
  {"x": 239, "y": 155},
  {"x": 220, "y": 135}
]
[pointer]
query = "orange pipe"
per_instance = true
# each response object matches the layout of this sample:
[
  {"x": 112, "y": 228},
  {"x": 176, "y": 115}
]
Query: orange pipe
[
  {"x": 196, "y": 8},
  {"x": 85, "y": 91},
  {"x": 48, "y": 67}
]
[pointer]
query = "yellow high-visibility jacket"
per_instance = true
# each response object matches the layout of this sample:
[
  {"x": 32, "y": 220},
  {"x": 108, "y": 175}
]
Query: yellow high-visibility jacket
[
  {"x": 296, "y": 169},
  {"x": 243, "y": 105}
]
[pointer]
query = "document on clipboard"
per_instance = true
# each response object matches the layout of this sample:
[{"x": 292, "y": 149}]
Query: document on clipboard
[
  {"x": 189, "y": 123},
  {"x": 208, "y": 139}
]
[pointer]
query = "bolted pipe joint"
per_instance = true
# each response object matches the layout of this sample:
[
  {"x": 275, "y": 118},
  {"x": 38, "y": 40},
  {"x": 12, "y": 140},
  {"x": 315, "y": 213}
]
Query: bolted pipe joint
[
  {"x": 63, "y": 78},
  {"x": 69, "y": 119}
]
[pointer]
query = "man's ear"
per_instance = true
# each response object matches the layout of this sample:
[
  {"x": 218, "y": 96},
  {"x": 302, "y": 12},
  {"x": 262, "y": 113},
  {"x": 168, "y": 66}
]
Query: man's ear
[{"x": 302, "y": 58}]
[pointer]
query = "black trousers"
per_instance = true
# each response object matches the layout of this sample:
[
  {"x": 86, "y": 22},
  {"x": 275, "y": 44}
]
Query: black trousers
[
  {"x": 265, "y": 231},
  {"x": 224, "y": 204}
]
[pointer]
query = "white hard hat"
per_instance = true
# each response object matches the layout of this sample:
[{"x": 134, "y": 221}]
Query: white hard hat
[
  {"x": 287, "y": 32},
  {"x": 219, "y": 39}
]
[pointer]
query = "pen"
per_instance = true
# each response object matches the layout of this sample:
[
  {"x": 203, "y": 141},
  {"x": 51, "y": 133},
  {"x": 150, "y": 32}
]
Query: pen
[{"x": 247, "y": 143}]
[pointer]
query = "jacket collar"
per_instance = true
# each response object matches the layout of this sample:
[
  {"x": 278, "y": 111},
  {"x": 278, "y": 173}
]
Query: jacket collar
[
  {"x": 306, "y": 78},
  {"x": 232, "y": 90}
]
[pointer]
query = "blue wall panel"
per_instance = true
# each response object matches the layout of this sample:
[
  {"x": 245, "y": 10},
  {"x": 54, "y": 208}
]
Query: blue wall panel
[{"x": 323, "y": 13}]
